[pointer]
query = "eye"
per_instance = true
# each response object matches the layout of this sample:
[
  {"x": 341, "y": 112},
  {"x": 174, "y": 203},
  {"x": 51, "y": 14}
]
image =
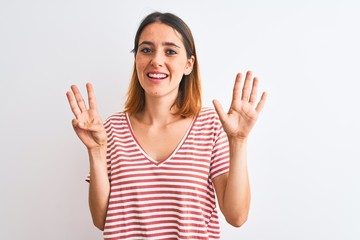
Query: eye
[
  {"x": 170, "y": 52},
  {"x": 146, "y": 50}
]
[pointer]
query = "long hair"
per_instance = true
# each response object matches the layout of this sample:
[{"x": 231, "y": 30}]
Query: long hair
[{"x": 188, "y": 101}]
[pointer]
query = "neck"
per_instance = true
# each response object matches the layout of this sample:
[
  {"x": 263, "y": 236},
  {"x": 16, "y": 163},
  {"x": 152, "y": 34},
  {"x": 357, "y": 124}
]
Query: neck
[{"x": 158, "y": 111}]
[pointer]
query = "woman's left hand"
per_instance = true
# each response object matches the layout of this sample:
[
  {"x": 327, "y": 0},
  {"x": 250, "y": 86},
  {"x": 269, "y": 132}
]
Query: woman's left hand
[{"x": 244, "y": 109}]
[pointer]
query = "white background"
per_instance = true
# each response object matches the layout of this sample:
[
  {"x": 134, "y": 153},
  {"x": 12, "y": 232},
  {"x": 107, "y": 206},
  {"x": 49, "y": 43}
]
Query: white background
[{"x": 303, "y": 154}]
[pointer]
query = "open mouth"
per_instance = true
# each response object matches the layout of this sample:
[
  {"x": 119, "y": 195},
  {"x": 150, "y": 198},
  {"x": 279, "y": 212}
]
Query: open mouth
[{"x": 158, "y": 76}]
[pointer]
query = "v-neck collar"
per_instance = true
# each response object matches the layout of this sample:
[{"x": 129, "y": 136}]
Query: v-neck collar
[{"x": 155, "y": 162}]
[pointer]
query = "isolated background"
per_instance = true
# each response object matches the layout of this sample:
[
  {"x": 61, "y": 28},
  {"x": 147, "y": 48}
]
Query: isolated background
[{"x": 303, "y": 154}]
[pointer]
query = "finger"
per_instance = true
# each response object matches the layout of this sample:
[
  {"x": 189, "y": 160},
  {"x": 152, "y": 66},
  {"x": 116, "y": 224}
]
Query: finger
[
  {"x": 75, "y": 123},
  {"x": 79, "y": 99},
  {"x": 237, "y": 88},
  {"x": 246, "y": 87},
  {"x": 220, "y": 111},
  {"x": 91, "y": 96},
  {"x": 92, "y": 127},
  {"x": 78, "y": 125},
  {"x": 73, "y": 104},
  {"x": 261, "y": 103},
  {"x": 254, "y": 89}
]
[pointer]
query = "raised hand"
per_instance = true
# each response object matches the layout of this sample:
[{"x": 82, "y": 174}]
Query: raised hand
[
  {"x": 87, "y": 123},
  {"x": 244, "y": 111}
]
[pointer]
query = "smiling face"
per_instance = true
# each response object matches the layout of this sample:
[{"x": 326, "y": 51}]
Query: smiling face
[{"x": 161, "y": 60}]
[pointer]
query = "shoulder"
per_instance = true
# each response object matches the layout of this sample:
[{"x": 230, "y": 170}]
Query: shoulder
[
  {"x": 208, "y": 120},
  {"x": 118, "y": 118},
  {"x": 209, "y": 115}
]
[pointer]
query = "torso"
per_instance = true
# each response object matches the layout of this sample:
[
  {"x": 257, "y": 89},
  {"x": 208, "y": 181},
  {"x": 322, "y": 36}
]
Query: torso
[{"x": 171, "y": 199}]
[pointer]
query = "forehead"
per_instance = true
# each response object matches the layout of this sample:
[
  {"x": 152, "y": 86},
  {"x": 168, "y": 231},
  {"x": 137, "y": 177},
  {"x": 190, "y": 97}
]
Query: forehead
[{"x": 159, "y": 33}]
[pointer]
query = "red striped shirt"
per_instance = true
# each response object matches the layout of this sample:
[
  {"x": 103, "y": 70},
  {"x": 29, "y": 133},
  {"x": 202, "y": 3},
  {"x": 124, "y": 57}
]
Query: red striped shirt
[{"x": 171, "y": 199}]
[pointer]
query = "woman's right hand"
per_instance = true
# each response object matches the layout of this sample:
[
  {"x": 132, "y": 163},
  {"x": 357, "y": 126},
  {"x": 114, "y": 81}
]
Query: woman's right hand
[{"x": 87, "y": 123}]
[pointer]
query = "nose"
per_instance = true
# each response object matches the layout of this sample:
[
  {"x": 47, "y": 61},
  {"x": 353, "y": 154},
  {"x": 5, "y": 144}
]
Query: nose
[{"x": 157, "y": 60}]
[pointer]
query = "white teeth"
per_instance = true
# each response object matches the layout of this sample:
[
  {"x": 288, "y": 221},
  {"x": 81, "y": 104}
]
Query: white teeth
[{"x": 157, "y": 75}]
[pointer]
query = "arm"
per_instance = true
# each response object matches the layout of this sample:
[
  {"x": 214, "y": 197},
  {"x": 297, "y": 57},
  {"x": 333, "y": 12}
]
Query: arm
[
  {"x": 90, "y": 130},
  {"x": 233, "y": 188},
  {"x": 99, "y": 187}
]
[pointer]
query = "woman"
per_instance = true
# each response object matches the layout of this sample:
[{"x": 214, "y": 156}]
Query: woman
[{"x": 157, "y": 167}]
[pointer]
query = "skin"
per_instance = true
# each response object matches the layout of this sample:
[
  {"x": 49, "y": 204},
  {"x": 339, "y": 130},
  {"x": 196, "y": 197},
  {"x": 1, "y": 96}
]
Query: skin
[
  {"x": 161, "y": 51},
  {"x": 90, "y": 129},
  {"x": 233, "y": 188}
]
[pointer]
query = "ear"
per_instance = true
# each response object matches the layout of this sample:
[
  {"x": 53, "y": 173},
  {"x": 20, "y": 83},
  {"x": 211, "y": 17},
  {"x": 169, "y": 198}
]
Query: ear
[{"x": 189, "y": 65}]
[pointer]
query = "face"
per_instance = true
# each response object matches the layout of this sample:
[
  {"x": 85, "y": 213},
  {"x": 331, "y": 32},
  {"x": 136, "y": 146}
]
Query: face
[{"x": 161, "y": 60}]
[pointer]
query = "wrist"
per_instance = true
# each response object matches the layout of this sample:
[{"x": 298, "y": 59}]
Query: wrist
[
  {"x": 97, "y": 148},
  {"x": 97, "y": 153},
  {"x": 237, "y": 140}
]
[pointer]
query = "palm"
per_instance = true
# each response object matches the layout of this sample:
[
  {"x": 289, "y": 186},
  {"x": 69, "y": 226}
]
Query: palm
[
  {"x": 243, "y": 113},
  {"x": 88, "y": 137},
  {"x": 87, "y": 123}
]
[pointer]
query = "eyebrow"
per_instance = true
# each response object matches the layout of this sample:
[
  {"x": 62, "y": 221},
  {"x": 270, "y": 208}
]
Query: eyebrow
[{"x": 164, "y": 44}]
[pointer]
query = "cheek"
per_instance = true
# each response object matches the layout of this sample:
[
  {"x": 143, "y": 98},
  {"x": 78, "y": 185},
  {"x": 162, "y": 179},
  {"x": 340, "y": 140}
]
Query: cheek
[
  {"x": 179, "y": 67},
  {"x": 139, "y": 65}
]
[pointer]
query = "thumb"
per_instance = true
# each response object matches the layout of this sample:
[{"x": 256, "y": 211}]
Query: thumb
[
  {"x": 77, "y": 124},
  {"x": 92, "y": 127},
  {"x": 219, "y": 109}
]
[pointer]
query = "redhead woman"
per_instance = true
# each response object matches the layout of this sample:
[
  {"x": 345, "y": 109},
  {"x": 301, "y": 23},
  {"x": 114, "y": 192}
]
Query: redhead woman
[{"x": 160, "y": 167}]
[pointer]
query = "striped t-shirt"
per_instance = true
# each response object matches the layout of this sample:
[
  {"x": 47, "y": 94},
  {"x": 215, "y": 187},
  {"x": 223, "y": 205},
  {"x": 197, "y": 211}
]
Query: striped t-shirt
[{"x": 171, "y": 199}]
